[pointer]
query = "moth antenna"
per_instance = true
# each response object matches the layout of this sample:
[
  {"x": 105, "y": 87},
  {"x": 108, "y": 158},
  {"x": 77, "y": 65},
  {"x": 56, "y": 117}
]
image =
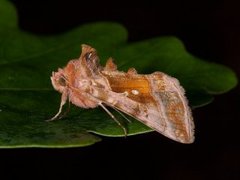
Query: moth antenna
[
  {"x": 114, "y": 118},
  {"x": 63, "y": 101}
]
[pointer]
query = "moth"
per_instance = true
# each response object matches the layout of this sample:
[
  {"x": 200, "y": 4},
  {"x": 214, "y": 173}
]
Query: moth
[{"x": 157, "y": 100}]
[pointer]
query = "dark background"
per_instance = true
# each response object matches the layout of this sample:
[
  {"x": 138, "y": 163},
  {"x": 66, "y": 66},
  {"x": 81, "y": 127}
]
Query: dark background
[{"x": 210, "y": 30}]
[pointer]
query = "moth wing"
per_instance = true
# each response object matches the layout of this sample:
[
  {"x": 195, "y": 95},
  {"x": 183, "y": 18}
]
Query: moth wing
[
  {"x": 157, "y": 100},
  {"x": 173, "y": 107}
]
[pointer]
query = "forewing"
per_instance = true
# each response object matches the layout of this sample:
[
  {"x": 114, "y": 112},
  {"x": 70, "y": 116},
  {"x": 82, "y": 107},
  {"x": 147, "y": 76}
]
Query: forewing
[
  {"x": 156, "y": 100},
  {"x": 173, "y": 107}
]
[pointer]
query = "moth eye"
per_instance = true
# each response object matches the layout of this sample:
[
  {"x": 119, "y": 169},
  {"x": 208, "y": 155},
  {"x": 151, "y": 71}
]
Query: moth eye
[
  {"x": 62, "y": 81},
  {"x": 88, "y": 56}
]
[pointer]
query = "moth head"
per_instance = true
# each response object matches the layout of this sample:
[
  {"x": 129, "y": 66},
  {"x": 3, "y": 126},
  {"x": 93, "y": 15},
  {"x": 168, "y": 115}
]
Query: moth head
[{"x": 59, "y": 80}]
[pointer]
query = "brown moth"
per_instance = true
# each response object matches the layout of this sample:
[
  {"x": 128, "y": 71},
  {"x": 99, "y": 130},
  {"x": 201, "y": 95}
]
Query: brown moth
[{"x": 157, "y": 100}]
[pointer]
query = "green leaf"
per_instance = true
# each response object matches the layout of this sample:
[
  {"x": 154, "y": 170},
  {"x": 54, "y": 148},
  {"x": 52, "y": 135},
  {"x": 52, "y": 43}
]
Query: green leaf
[
  {"x": 8, "y": 16},
  {"x": 27, "y": 98}
]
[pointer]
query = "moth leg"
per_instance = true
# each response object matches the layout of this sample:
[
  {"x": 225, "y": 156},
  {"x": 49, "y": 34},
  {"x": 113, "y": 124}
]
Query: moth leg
[
  {"x": 125, "y": 117},
  {"x": 66, "y": 112},
  {"x": 114, "y": 118},
  {"x": 63, "y": 101}
]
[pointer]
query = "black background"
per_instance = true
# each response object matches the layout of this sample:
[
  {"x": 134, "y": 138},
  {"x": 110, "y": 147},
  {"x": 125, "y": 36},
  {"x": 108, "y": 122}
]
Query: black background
[{"x": 210, "y": 30}]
